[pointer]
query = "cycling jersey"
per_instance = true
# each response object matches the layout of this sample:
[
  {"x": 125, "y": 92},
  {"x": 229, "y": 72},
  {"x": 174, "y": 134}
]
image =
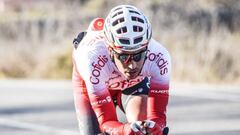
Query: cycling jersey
[{"x": 96, "y": 76}]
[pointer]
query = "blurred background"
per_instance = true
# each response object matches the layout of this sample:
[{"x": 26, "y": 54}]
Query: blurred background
[{"x": 202, "y": 36}]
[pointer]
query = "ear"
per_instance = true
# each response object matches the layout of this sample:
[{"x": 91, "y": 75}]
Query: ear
[{"x": 110, "y": 49}]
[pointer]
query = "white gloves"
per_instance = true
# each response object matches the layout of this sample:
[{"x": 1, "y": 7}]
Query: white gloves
[{"x": 138, "y": 127}]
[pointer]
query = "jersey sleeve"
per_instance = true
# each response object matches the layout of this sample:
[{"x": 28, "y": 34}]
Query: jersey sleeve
[
  {"x": 93, "y": 69},
  {"x": 159, "y": 86}
]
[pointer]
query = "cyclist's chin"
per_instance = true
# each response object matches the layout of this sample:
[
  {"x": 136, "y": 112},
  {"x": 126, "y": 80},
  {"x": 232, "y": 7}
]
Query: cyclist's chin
[{"x": 131, "y": 75}]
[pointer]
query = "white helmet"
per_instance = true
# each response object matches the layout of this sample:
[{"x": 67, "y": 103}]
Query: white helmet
[{"x": 126, "y": 28}]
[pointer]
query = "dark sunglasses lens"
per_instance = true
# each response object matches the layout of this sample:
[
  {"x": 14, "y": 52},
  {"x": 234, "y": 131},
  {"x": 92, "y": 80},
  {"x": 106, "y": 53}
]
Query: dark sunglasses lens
[
  {"x": 123, "y": 57},
  {"x": 137, "y": 57}
]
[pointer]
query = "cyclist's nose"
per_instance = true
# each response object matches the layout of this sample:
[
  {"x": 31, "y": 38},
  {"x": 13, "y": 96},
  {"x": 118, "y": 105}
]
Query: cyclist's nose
[{"x": 132, "y": 64}]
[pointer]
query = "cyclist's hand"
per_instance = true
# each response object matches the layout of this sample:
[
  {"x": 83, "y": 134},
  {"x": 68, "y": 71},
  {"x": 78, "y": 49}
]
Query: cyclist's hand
[
  {"x": 135, "y": 128},
  {"x": 152, "y": 127}
]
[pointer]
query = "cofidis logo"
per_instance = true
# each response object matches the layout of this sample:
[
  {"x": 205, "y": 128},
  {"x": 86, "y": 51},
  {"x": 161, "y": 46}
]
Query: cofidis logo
[{"x": 97, "y": 67}]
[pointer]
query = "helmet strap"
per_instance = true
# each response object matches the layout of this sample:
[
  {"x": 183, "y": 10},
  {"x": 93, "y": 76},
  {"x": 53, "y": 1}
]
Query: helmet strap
[{"x": 110, "y": 49}]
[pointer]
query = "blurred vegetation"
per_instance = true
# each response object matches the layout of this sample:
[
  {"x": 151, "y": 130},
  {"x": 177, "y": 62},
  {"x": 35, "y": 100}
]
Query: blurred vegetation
[{"x": 202, "y": 36}]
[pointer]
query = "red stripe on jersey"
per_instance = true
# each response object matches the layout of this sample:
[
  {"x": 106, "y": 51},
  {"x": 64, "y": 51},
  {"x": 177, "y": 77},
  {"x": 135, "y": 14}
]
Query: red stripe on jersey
[{"x": 157, "y": 103}]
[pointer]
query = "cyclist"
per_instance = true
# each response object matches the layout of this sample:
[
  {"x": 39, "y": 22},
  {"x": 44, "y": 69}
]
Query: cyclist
[{"x": 116, "y": 62}]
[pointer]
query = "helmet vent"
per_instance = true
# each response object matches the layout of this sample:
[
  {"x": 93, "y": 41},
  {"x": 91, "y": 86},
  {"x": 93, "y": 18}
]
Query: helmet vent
[
  {"x": 127, "y": 29},
  {"x": 137, "y": 29},
  {"x": 131, "y": 11},
  {"x": 122, "y": 30},
  {"x": 138, "y": 40},
  {"x": 112, "y": 38},
  {"x": 124, "y": 41},
  {"x": 118, "y": 13},
  {"x": 147, "y": 34},
  {"x": 137, "y": 19},
  {"x": 118, "y": 8},
  {"x": 120, "y": 20}
]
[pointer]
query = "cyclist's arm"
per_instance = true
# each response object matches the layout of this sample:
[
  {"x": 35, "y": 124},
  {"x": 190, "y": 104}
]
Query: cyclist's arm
[
  {"x": 100, "y": 101},
  {"x": 157, "y": 104},
  {"x": 105, "y": 111},
  {"x": 159, "y": 90}
]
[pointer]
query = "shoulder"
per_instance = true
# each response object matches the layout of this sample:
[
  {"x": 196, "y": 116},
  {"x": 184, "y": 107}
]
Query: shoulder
[
  {"x": 93, "y": 63},
  {"x": 91, "y": 50},
  {"x": 91, "y": 46},
  {"x": 157, "y": 54},
  {"x": 156, "y": 49},
  {"x": 158, "y": 61}
]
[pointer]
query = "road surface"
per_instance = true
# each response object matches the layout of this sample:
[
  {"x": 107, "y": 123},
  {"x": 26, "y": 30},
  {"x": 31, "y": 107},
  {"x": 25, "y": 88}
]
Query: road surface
[{"x": 32, "y": 107}]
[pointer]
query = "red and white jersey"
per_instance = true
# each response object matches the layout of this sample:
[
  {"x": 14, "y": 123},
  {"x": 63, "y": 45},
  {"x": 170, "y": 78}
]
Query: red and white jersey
[
  {"x": 100, "y": 73},
  {"x": 96, "y": 75}
]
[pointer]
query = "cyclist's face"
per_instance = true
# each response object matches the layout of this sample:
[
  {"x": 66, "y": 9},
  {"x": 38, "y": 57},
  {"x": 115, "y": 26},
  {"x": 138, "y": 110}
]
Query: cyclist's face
[{"x": 130, "y": 64}]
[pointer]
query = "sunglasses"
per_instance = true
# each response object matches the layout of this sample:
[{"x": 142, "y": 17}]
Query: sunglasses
[{"x": 129, "y": 57}]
